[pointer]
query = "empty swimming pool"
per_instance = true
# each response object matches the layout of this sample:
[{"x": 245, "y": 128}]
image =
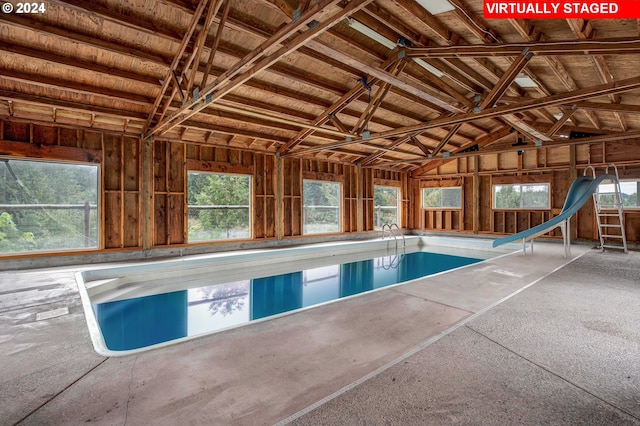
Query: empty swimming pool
[{"x": 132, "y": 308}]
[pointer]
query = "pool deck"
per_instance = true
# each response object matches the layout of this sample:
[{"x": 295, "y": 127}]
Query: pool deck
[{"x": 534, "y": 339}]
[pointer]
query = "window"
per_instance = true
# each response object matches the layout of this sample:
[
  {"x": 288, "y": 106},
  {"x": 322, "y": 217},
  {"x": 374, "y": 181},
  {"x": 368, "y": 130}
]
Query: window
[
  {"x": 47, "y": 206},
  {"x": 520, "y": 196},
  {"x": 321, "y": 206},
  {"x": 385, "y": 205},
  {"x": 629, "y": 189},
  {"x": 442, "y": 198},
  {"x": 219, "y": 206}
]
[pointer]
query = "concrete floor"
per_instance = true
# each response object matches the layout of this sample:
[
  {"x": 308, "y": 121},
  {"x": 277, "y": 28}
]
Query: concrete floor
[{"x": 450, "y": 349}]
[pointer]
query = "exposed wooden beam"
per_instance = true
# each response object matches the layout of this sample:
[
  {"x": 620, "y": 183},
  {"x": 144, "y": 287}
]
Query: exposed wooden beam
[
  {"x": 531, "y": 33},
  {"x": 79, "y": 64},
  {"x": 176, "y": 60},
  {"x": 528, "y": 104},
  {"x": 566, "y": 115},
  {"x": 51, "y": 83},
  {"x": 505, "y": 81},
  {"x": 499, "y": 148},
  {"x": 252, "y": 63},
  {"x": 212, "y": 10},
  {"x": 385, "y": 76},
  {"x": 335, "y": 108},
  {"x": 339, "y": 124},
  {"x": 583, "y": 30},
  {"x": 612, "y": 46},
  {"x": 601, "y": 106},
  {"x": 72, "y": 106},
  {"x": 376, "y": 100},
  {"x": 216, "y": 43}
]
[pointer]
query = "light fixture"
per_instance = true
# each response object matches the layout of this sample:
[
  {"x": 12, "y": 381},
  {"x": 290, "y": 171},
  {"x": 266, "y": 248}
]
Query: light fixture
[
  {"x": 436, "y": 6},
  {"x": 433, "y": 70},
  {"x": 363, "y": 29},
  {"x": 525, "y": 81}
]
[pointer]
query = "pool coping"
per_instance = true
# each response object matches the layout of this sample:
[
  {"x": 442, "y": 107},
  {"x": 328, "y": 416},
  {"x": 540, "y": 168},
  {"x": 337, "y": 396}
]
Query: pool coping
[{"x": 103, "y": 276}]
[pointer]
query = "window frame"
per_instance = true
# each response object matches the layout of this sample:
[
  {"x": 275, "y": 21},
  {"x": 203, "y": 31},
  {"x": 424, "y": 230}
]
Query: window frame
[
  {"x": 99, "y": 209},
  {"x": 398, "y": 204},
  {"x": 441, "y": 207},
  {"x": 340, "y": 207},
  {"x": 250, "y": 207},
  {"x": 521, "y": 208},
  {"x": 626, "y": 208}
]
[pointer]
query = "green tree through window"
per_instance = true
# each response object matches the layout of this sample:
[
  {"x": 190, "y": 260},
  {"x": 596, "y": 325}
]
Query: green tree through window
[
  {"x": 321, "y": 206},
  {"x": 521, "y": 196},
  {"x": 385, "y": 209},
  {"x": 47, "y": 206},
  {"x": 219, "y": 206},
  {"x": 442, "y": 198}
]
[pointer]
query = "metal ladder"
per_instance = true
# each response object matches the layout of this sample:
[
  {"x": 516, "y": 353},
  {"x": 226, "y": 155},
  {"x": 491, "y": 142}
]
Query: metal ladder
[
  {"x": 392, "y": 233},
  {"x": 607, "y": 224}
]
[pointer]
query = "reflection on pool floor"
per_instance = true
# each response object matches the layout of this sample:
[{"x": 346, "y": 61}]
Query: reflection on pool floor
[{"x": 145, "y": 321}]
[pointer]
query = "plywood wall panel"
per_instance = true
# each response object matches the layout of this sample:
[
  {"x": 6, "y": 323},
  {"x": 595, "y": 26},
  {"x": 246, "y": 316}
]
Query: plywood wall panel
[
  {"x": 112, "y": 163},
  {"x": 113, "y": 220},
  {"x": 17, "y": 132},
  {"x": 160, "y": 166},
  {"x": 131, "y": 151},
  {"x": 131, "y": 235},
  {"x": 160, "y": 219},
  {"x": 44, "y": 135},
  {"x": 91, "y": 140},
  {"x": 175, "y": 216},
  {"x": 69, "y": 137},
  {"x": 177, "y": 166}
]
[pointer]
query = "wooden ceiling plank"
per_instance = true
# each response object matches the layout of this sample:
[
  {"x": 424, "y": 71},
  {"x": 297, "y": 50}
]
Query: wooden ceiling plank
[
  {"x": 527, "y": 104},
  {"x": 224, "y": 84},
  {"x": 79, "y": 64},
  {"x": 48, "y": 82},
  {"x": 41, "y": 28}
]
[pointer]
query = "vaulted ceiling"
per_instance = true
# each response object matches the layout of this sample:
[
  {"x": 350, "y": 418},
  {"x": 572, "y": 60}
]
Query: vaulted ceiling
[{"x": 380, "y": 83}]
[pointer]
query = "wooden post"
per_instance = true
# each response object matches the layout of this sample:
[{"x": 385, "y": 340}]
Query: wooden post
[
  {"x": 147, "y": 197},
  {"x": 476, "y": 194},
  {"x": 573, "y": 175},
  {"x": 361, "y": 211},
  {"x": 279, "y": 199}
]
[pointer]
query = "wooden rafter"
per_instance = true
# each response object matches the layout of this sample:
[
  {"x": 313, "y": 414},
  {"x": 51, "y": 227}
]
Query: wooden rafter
[
  {"x": 531, "y": 33},
  {"x": 612, "y": 46},
  {"x": 528, "y": 104},
  {"x": 383, "y": 76},
  {"x": 584, "y": 31},
  {"x": 260, "y": 58},
  {"x": 212, "y": 10},
  {"x": 216, "y": 43},
  {"x": 174, "y": 65},
  {"x": 376, "y": 100},
  {"x": 334, "y": 109},
  {"x": 566, "y": 115}
]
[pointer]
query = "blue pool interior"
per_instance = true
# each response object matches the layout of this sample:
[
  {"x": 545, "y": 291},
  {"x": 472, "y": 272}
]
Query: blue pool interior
[
  {"x": 143, "y": 321},
  {"x": 133, "y": 308}
]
